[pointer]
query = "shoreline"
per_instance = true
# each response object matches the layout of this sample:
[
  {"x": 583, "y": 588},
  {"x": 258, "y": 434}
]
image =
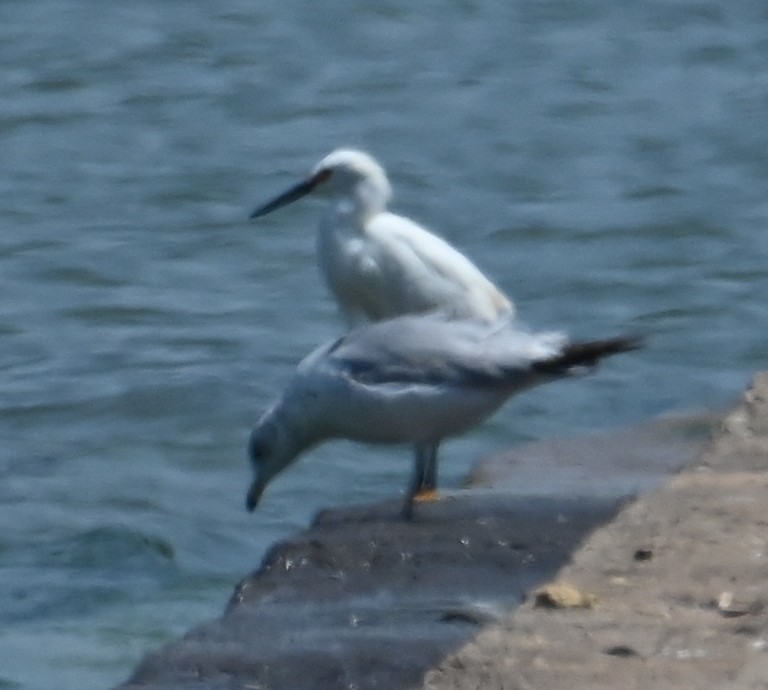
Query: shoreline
[{"x": 363, "y": 600}]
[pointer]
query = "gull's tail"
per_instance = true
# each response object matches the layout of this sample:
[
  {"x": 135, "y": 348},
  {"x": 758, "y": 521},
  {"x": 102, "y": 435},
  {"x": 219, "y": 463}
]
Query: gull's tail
[{"x": 574, "y": 356}]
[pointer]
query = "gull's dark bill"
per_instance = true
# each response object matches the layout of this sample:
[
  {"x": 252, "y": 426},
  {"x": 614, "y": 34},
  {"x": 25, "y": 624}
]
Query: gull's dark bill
[{"x": 254, "y": 494}]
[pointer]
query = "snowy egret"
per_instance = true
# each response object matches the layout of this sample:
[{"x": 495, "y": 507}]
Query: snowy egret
[
  {"x": 379, "y": 265},
  {"x": 413, "y": 379}
]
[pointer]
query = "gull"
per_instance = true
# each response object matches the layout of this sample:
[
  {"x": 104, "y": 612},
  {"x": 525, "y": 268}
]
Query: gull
[
  {"x": 379, "y": 265},
  {"x": 414, "y": 379}
]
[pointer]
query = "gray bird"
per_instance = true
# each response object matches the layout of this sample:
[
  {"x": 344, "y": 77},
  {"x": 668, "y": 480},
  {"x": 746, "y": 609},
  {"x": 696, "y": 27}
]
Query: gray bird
[{"x": 415, "y": 379}]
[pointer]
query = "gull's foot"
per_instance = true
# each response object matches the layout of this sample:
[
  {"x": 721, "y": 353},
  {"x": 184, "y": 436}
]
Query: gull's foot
[{"x": 427, "y": 496}]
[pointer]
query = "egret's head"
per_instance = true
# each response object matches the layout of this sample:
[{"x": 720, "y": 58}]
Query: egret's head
[
  {"x": 271, "y": 450},
  {"x": 342, "y": 173},
  {"x": 355, "y": 173}
]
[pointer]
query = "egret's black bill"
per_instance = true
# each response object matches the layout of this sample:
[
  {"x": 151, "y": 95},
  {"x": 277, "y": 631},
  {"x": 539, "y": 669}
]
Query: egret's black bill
[{"x": 296, "y": 192}]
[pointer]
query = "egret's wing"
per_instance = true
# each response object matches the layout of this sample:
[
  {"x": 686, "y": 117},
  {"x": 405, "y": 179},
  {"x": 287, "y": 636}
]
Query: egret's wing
[
  {"x": 425, "y": 270},
  {"x": 433, "y": 350}
]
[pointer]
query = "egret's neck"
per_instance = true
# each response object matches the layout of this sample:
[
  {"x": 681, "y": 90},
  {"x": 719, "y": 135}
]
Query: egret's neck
[
  {"x": 351, "y": 213},
  {"x": 352, "y": 206}
]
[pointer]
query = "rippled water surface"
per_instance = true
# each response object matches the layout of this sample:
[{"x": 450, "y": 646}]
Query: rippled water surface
[{"x": 606, "y": 162}]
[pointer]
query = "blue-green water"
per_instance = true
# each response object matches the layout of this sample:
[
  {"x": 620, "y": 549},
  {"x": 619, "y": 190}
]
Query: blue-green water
[{"x": 606, "y": 163}]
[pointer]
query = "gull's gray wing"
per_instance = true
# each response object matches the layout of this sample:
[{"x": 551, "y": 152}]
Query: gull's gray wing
[{"x": 433, "y": 350}]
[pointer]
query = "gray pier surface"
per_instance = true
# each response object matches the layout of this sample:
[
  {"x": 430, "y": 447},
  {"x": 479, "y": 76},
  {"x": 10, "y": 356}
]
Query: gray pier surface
[{"x": 363, "y": 600}]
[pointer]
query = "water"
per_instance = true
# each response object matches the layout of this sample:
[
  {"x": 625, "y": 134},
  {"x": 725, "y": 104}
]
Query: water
[{"x": 606, "y": 162}]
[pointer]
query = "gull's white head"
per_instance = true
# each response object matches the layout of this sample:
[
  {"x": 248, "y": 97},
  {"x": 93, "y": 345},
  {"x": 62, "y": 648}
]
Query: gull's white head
[
  {"x": 345, "y": 174},
  {"x": 275, "y": 443}
]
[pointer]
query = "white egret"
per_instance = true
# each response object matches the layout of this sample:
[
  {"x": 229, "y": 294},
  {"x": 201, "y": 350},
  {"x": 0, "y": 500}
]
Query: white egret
[
  {"x": 412, "y": 379},
  {"x": 379, "y": 265}
]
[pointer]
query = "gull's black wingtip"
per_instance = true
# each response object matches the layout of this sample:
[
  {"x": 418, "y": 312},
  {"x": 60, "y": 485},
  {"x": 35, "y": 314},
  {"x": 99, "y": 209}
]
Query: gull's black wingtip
[
  {"x": 614, "y": 346},
  {"x": 588, "y": 353}
]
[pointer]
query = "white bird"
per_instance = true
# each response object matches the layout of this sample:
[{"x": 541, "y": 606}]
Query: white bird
[
  {"x": 412, "y": 379},
  {"x": 379, "y": 265}
]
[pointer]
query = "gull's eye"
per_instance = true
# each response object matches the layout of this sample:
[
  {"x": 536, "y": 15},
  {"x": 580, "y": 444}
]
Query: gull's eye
[{"x": 258, "y": 449}]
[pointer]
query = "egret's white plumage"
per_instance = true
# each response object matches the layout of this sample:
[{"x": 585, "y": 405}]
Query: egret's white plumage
[
  {"x": 379, "y": 265},
  {"x": 412, "y": 379}
]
